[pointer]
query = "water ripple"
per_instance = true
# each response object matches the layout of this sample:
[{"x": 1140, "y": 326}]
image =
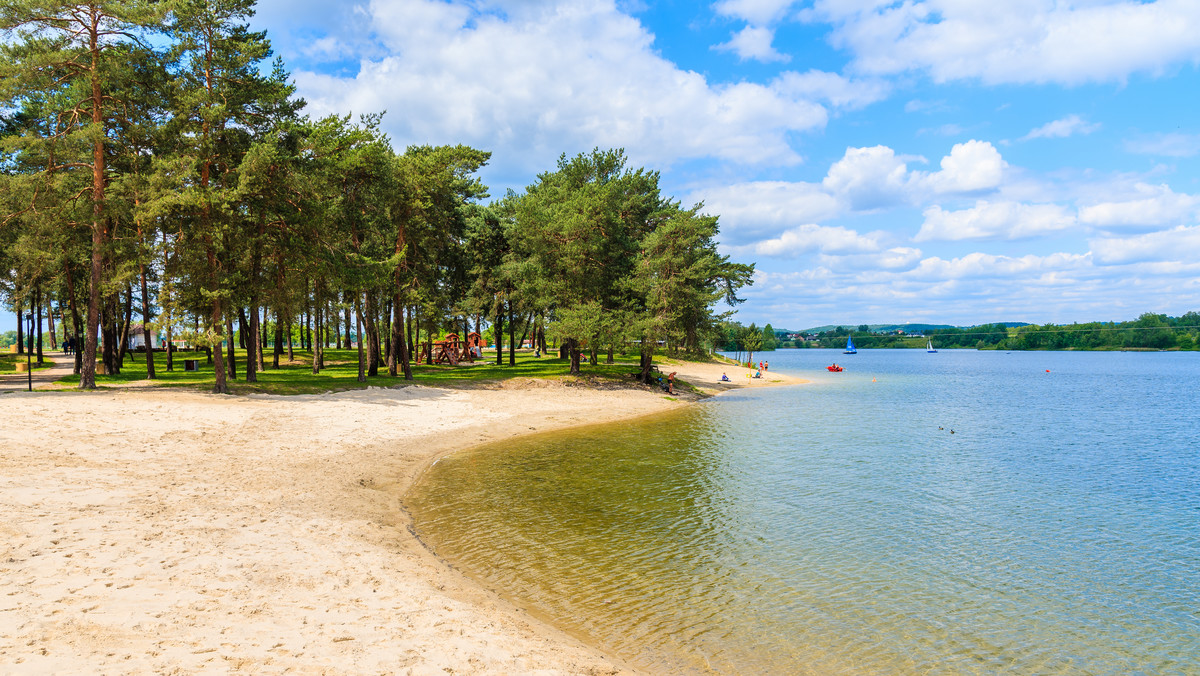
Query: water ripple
[{"x": 836, "y": 529}]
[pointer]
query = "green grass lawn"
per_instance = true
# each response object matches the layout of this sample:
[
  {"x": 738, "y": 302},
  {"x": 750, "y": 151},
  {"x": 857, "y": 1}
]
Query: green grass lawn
[
  {"x": 341, "y": 373},
  {"x": 8, "y": 362}
]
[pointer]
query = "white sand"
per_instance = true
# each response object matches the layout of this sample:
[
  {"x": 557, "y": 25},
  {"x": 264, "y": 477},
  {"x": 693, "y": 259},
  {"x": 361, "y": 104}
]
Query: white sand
[{"x": 155, "y": 531}]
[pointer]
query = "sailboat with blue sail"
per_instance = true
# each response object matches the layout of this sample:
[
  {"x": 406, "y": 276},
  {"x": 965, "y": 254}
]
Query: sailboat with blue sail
[{"x": 850, "y": 349}]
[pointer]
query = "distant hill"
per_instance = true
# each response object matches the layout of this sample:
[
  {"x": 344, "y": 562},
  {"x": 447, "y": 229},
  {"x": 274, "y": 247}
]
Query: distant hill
[{"x": 907, "y": 328}]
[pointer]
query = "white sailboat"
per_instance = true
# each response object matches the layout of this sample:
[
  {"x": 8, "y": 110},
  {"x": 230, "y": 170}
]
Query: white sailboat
[{"x": 929, "y": 347}]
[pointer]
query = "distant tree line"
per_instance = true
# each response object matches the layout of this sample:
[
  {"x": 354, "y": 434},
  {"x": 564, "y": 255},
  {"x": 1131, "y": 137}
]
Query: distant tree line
[
  {"x": 155, "y": 165},
  {"x": 1148, "y": 332}
]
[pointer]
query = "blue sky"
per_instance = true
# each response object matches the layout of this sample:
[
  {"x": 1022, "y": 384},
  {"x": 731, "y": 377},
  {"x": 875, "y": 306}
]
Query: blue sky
[{"x": 951, "y": 161}]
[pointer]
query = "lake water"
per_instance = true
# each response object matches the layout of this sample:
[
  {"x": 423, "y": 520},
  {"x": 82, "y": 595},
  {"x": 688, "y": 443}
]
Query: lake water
[{"x": 840, "y": 527}]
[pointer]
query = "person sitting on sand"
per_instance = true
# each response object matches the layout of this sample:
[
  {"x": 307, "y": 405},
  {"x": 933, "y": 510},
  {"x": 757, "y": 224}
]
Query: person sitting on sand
[
  {"x": 758, "y": 374},
  {"x": 724, "y": 378}
]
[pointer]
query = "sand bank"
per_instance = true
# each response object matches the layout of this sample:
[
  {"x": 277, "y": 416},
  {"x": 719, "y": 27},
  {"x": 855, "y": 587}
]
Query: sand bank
[{"x": 156, "y": 531}]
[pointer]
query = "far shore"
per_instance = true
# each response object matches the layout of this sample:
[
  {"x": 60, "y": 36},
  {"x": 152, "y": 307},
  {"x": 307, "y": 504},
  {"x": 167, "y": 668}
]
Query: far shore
[{"x": 156, "y": 530}]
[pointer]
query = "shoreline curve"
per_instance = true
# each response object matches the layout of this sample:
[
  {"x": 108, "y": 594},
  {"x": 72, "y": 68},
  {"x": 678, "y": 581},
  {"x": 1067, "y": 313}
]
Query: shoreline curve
[{"x": 156, "y": 530}]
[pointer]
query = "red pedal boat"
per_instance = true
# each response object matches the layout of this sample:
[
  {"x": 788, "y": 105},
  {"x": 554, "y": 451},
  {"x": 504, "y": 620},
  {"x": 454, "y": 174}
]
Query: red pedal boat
[{"x": 835, "y": 368}]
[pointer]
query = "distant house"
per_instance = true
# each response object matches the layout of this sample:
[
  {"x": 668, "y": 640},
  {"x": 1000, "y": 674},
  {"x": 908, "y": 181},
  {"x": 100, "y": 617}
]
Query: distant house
[{"x": 137, "y": 339}]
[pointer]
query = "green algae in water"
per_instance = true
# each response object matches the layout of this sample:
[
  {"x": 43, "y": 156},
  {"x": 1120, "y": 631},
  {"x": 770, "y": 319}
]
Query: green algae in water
[{"x": 835, "y": 529}]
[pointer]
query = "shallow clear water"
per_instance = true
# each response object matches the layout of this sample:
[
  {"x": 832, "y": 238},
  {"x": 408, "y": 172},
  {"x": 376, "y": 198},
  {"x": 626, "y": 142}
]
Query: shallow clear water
[{"x": 834, "y": 528}]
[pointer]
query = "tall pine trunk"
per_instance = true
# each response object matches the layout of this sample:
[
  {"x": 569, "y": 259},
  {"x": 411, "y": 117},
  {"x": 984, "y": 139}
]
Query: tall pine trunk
[
  {"x": 499, "y": 333},
  {"x": 37, "y": 327},
  {"x": 372, "y": 329},
  {"x": 50, "y": 322},
  {"x": 362, "y": 367},
  {"x": 278, "y": 340},
  {"x": 229, "y": 341},
  {"x": 76, "y": 334},
  {"x": 20, "y": 307},
  {"x": 124, "y": 332},
  {"x": 573, "y": 347},
  {"x": 512, "y": 336},
  {"x": 253, "y": 349},
  {"x": 411, "y": 323},
  {"x": 291, "y": 351},
  {"x": 146, "y": 326}
]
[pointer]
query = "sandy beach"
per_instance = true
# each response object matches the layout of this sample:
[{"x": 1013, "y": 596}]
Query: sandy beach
[{"x": 158, "y": 531}]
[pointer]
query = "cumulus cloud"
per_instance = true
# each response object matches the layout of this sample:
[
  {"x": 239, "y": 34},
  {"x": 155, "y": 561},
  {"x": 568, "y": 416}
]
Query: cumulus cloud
[
  {"x": 863, "y": 180},
  {"x": 529, "y": 81},
  {"x": 1067, "y": 126},
  {"x": 869, "y": 178},
  {"x": 994, "y": 220},
  {"x": 970, "y": 167},
  {"x": 1178, "y": 245},
  {"x": 753, "y": 43},
  {"x": 876, "y": 177},
  {"x": 1157, "y": 205},
  {"x": 987, "y": 266},
  {"x": 762, "y": 208},
  {"x": 811, "y": 237},
  {"x": 1020, "y": 41}
]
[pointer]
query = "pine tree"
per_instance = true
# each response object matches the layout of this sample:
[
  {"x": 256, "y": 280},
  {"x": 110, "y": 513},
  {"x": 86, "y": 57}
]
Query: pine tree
[{"x": 70, "y": 54}]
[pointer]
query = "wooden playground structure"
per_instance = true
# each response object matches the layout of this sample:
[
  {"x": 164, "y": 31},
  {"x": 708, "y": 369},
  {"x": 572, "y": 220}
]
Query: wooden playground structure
[{"x": 453, "y": 350}]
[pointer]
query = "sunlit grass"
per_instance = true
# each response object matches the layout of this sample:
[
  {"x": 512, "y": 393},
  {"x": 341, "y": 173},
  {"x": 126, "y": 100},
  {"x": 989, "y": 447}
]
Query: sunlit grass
[
  {"x": 341, "y": 373},
  {"x": 9, "y": 361}
]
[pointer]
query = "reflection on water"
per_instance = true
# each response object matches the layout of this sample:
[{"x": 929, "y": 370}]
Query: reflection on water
[{"x": 834, "y": 528}]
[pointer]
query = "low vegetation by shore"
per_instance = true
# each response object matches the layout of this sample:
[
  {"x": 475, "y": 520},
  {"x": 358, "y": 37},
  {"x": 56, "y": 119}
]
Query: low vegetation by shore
[{"x": 340, "y": 373}]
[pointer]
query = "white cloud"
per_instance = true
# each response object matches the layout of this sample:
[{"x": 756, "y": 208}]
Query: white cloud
[
  {"x": 763, "y": 208},
  {"x": 863, "y": 180},
  {"x": 1168, "y": 145},
  {"x": 1067, "y": 126},
  {"x": 1158, "y": 206},
  {"x": 838, "y": 91},
  {"x": 536, "y": 80},
  {"x": 919, "y": 106},
  {"x": 754, "y": 12},
  {"x": 1179, "y": 245},
  {"x": 753, "y": 43},
  {"x": 989, "y": 266},
  {"x": 872, "y": 264},
  {"x": 1018, "y": 41},
  {"x": 994, "y": 220},
  {"x": 869, "y": 178},
  {"x": 874, "y": 178},
  {"x": 811, "y": 237},
  {"x": 970, "y": 167}
]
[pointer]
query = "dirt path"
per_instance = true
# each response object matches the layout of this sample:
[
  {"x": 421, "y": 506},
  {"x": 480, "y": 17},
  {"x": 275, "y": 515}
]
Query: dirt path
[{"x": 64, "y": 365}]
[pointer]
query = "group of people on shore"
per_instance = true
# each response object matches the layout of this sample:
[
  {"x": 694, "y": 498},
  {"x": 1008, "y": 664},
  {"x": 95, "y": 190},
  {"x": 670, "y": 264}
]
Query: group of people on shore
[{"x": 762, "y": 366}]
